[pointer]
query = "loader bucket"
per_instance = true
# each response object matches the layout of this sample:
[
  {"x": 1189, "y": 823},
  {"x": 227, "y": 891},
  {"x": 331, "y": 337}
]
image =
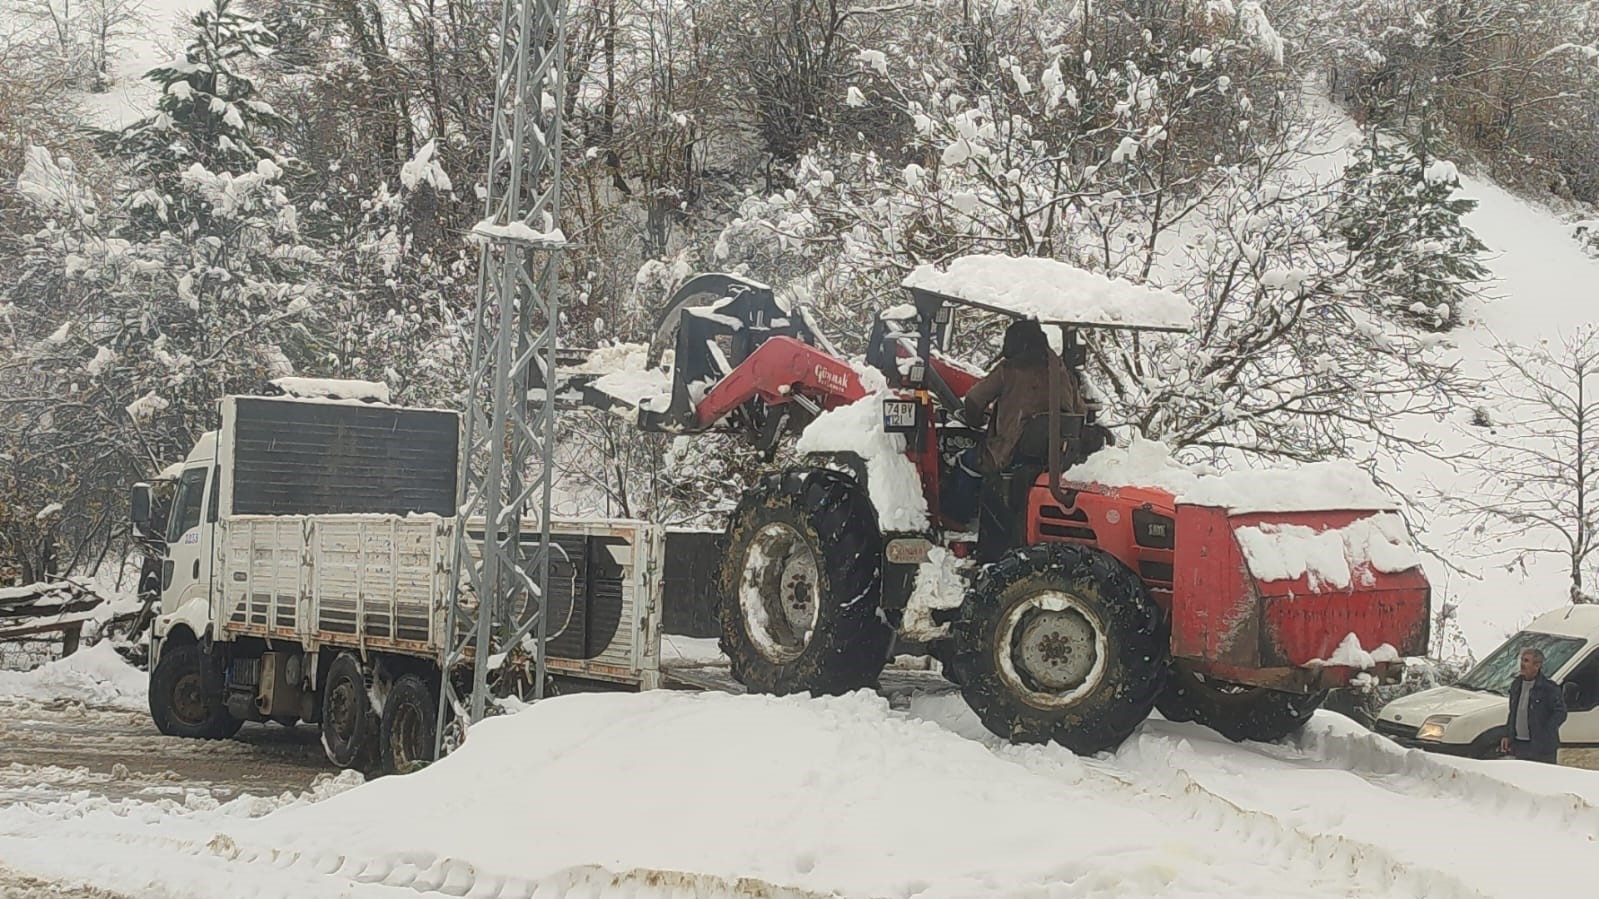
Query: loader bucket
[{"x": 1296, "y": 600}]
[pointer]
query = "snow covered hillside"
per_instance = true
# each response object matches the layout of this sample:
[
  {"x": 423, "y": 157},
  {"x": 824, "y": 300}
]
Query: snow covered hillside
[
  {"x": 152, "y": 40},
  {"x": 1543, "y": 287},
  {"x": 675, "y": 795}
]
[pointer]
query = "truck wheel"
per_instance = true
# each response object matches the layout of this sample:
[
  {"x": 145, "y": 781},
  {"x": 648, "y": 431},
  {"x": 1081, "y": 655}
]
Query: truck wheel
[
  {"x": 349, "y": 727},
  {"x": 1061, "y": 642},
  {"x": 186, "y": 696},
  {"x": 410, "y": 712},
  {"x": 1235, "y": 711},
  {"x": 801, "y": 584}
]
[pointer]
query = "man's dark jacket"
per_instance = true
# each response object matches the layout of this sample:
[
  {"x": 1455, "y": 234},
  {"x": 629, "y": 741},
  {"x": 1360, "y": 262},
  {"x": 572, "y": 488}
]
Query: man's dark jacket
[
  {"x": 1546, "y": 711},
  {"x": 1017, "y": 393}
]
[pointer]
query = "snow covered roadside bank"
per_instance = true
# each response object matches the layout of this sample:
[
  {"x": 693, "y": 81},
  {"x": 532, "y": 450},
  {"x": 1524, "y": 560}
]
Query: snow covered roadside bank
[
  {"x": 93, "y": 676},
  {"x": 675, "y": 794}
]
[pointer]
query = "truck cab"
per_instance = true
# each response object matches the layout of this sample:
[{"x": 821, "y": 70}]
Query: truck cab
[
  {"x": 190, "y": 530},
  {"x": 1468, "y": 717}
]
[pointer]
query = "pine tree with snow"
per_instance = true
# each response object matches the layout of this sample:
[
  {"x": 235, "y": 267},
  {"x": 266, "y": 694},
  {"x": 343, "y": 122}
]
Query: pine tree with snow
[
  {"x": 1400, "y": 214},
  {"x": 201, "y": 284},
  {"x": 209, "y": 110}
]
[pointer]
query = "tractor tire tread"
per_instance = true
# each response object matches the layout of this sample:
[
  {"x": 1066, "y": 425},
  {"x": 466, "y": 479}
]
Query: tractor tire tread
[
  {"x": 1137, "y": 638},
  {"x": 1259, "y": 714},
  {"x": 850, "y": 644}
]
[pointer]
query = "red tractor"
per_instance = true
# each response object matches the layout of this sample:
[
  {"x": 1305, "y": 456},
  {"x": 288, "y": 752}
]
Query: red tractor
[{"x": 1114, "y": 598}]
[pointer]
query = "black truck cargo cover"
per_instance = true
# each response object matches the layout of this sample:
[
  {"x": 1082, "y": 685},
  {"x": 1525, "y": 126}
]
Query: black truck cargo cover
[{"x": 308, "y": 458}]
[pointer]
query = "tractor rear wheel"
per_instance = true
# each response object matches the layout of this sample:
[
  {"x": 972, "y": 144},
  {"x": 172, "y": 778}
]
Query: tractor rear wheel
[
  {"x": 1061, "y": 642},
  {"x": 801, "y": 585},
  {"x": 1236, "y": 711}
]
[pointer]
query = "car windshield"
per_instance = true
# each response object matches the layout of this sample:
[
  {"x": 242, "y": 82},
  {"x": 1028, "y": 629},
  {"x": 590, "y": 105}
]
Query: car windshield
[{"x": 1493, "y": 674}]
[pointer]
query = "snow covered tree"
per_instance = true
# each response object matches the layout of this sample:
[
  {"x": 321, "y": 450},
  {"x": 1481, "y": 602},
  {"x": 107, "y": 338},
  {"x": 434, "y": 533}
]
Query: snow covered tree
[
  {"x": 1510, "y": 82},
  {"x": 208, "y": 115},
  {"x": 1168, "y": 164},
  {"x": 1400, "y": 210},
  {"x": 130, "y": 315},
  {"x": 1538, "y": 462},
  {"x": 224, "y": 285}
]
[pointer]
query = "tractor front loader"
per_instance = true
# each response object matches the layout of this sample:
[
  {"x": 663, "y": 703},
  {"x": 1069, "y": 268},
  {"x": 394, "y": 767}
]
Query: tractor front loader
[{"x": 1113, "y": 599}]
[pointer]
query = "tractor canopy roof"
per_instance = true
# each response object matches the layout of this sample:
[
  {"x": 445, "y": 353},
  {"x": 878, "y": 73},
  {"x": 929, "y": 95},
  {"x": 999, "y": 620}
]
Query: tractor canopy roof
[{"x": 1052, "y": 292}]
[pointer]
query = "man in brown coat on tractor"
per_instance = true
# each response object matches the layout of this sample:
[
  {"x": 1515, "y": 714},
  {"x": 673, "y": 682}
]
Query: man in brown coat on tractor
[{"x": 1015, "y": 450}]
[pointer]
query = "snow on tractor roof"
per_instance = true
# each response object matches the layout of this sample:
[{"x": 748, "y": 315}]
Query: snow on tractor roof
[
  {"x": 1054, "y": 293},
  {"x": 1319, "y": 486}
]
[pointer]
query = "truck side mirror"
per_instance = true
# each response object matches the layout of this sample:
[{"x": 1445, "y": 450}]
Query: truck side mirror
[
  {"x": 139, "y": 505},
  {"x": 1571, "y": 692}
]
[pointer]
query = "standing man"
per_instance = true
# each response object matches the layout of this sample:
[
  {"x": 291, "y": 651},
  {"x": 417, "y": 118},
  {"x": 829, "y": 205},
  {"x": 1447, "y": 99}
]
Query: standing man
[{"x": 1536, "y": 712}]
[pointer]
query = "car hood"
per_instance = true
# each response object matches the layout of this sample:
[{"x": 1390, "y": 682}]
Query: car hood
[{"x": 1417, "y": 707}]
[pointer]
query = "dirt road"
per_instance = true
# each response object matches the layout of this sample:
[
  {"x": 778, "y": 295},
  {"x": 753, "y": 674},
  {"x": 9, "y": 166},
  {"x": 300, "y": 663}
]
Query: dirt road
[
  {"x": 60, "y": 750},
  {"x": 48, "y": 750}
]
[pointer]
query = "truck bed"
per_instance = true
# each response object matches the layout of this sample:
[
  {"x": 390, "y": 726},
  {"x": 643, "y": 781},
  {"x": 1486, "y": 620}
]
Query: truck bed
[
  {"x": 369, "y": 581},
  {"x": 381, "y": 583}
]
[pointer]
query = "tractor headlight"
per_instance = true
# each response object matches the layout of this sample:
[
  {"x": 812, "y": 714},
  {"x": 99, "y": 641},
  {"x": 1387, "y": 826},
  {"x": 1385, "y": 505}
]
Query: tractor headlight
[{"x": 1433, "y": 727}]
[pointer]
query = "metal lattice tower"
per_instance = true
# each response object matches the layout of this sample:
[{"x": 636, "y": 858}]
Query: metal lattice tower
[{"x": 497, "y": 605}]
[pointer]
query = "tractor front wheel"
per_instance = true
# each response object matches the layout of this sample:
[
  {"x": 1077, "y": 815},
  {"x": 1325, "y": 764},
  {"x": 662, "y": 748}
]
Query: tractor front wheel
[
  {"x": 801, "y": 585},
  {"x": 1235, "y": 711},
  {"x": 1061, "y": 642}
]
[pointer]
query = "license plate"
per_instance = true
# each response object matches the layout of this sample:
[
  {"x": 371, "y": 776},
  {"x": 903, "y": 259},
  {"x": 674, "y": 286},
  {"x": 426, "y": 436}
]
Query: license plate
[{"x": 899, "y": 415}]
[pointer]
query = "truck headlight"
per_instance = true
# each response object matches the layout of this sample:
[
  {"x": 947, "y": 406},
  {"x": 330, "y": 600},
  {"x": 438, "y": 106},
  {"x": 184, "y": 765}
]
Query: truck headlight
[{"x": 1433, "y": 727}]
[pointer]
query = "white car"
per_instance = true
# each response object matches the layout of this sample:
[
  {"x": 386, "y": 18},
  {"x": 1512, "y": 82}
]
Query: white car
[{"x": 1469, "y": 718}]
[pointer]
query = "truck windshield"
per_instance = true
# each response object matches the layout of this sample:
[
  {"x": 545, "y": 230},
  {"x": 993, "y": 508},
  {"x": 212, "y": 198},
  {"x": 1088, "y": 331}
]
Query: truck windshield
[
  {"x": 187, "y": 503},
  {"x": 1493, "y": 674}
]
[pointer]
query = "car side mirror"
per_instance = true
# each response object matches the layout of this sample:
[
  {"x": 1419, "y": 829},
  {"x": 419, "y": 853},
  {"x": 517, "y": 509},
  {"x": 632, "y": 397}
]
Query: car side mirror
[
  {"x": 139, "y": 506},
  {"x": 1571, "y": 692}
]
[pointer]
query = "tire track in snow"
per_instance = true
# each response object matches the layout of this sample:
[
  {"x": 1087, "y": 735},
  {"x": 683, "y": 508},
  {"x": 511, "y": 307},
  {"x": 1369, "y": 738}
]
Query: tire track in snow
[
  {"x": 1373, "y": 868},
  {"x": 423, "y": 873},
  {"x": 1367, "y": 867},
  {"x": 1416, "y": 774}
]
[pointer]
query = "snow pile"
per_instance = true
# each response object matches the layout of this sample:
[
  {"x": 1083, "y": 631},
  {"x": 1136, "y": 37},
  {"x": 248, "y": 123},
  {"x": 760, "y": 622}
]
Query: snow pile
[
  {"x": 1286, "y": 552},
  {"x": 424, "y": 168},
  {"x": 794, "y": 802},
  {"x": 624, "y": 374},
  {"x": 350, "y": 390},
  {"x": 1351, "y": 654},
  {"x": 678, "y": 651},
  {"x": 93, "y": 676},
  {"x": 891, "y": 479},
  {"x": 1321, "y": 486},
  {"x": 939, "y": 585},
  {"x": 1050, "y": 291}
]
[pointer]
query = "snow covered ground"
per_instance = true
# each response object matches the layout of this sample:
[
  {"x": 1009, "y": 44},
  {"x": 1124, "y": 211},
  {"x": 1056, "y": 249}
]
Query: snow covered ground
[
  {"x": 151, "y": 42},
  {"x": 705, "y": 794},
  {"x": 96, "y": 675}
]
